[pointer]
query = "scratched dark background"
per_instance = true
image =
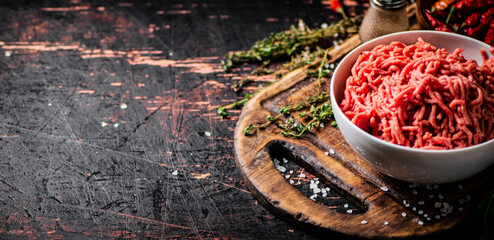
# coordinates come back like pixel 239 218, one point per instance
pixel 108 124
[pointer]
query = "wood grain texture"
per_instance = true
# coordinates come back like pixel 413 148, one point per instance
pixel 392 209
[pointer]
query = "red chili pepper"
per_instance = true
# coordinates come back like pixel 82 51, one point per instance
pixel 337 7
pixel 473 19
pixel 485 19
pixel 435 23
pixel 470 5
pixel 441 5
pixel 489 36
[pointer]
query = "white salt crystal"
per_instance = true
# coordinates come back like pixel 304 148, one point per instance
pixel 281 168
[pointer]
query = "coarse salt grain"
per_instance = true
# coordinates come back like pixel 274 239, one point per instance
pixel 302 175
pixel 386 223
pixel 384 189
pixel 175 173
pixel 349 211
pixel 363 222
pixel 281 168
pixel 331 151
pixel 403 214
pixel 420 223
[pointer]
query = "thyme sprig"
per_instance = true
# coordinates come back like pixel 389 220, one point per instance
pixel 298 47
pixel 223 110
pixel 284 45
pixel 319 111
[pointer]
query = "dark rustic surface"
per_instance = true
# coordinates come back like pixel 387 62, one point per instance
pixel 108 124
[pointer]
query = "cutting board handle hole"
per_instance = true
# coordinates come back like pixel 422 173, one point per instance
pixel 292 166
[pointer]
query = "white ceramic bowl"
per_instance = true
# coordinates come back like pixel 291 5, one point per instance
pixel 404 163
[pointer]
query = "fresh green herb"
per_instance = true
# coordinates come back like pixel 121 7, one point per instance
pixel 301 46
pixel 284 45
pixel 223 110
pixel 248 129
pixel 319 112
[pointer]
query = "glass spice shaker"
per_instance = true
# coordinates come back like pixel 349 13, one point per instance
pixel 384 17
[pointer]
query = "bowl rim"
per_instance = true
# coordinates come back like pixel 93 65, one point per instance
pixel 336 104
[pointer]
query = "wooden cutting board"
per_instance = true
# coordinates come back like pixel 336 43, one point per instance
pixel 390 208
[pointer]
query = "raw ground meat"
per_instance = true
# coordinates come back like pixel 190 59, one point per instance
pixel 421 96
